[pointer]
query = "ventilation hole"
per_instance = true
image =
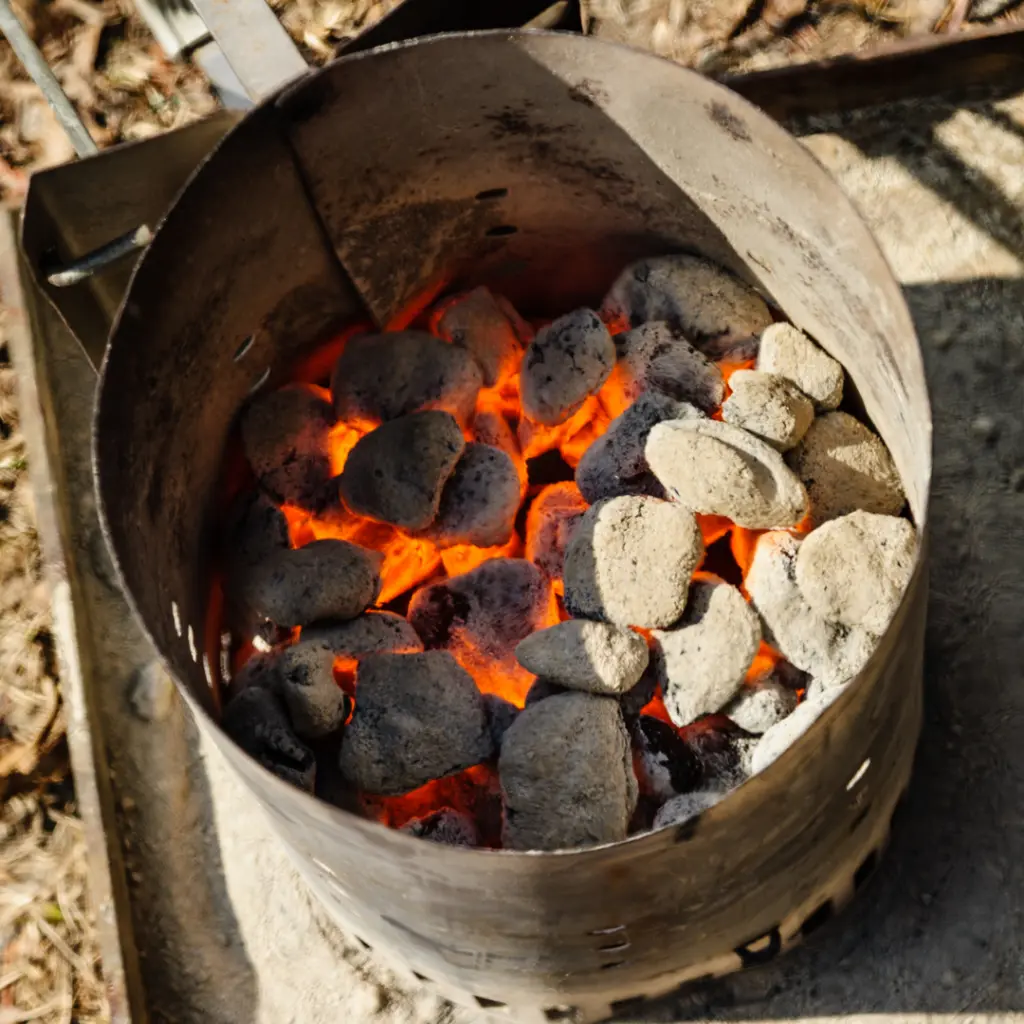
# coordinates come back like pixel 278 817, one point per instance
pixel 560 1013
pixel 242 349
pixel 420 977
pixel 634 1004
pixel 261 381
pixel 492 193
pixel 858 774
pixel 207 671
pixel 817 919
pixel 501 230
pixel 612 964
pixel 485 1003
pixel 866 869
pixel 859 820
pixel 192 645
pixel 608 931
pixel 363 943
pixel 617 947
pixel 176 616
pixel 760 950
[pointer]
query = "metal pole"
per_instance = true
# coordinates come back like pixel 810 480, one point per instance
pixel 29 55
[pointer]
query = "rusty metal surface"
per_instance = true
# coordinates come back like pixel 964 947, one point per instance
pixel 604 151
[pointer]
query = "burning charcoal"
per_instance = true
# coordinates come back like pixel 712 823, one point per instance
pixel 500 716
pixel 665 764
pixel 686 806
pixel 491 427
pixel 381 377
pixel 698 297
pixel 826 649
pixel 326 579
pixel 257 722
pixel 846 467
pixel 452 828
pixel 788 352
pixel 258 670
pixel 552 519
pixel 722 749
pixel 480 501
pixel 634 700
pixel 779 738
pixel 768 406
pixel 630 562
pixel 760 705
pixel 702 660
pixel 567 774
pixel 418 717
pixel 717 469
pixel 372 633
pixel 615 464
pixel 541 690
pixel 285 436
pixel 305 679
pixel 656 357
pixel 855 569
pixel 489 329
pixel 396 473
pixel 567 361
pixel 257 530
pixel 581 655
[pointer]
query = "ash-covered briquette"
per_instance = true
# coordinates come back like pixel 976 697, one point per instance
pixel 616 464
pixel 380 377
pixel 487 327
pixel 491 427
pixel 541 689
pixel 490 609
pixel 717 469
pixel 687 806
pixel 480 501
pixel 780 737
pixel 285 436
pixel 665 764
pixel 446 826
pixel 501 714
pixel 761 704
pixel 595 657
pixel 855 569
pixel 418 717
pixel 553 517
pixel 567 361
pixel 257 721
pixel 769 407
pixel 397 472
pixel 630 562
pixel 305 679
pixel 567 774
pixel 846 468
pixel 657 357
pixel 701 661
pixel 694 295
pixel 826 649
pixel 371 633
pixel 258 670
pixel 788 352
pixel 326 579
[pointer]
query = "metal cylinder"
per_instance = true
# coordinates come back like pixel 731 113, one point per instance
pixel 539 164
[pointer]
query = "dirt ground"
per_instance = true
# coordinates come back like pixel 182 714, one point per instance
pixel 126 89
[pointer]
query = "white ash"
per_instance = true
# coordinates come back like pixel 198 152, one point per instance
pixel 828 650
pixel 657 357
pixel 371 633
pixel 567 361
pixel 501 714
pixel 616 464
pixel 304 677
pixel 541 690
pixel 480 501
pixel 702 660
pixel 380 377
pixel 567 775
pixel 447 826
pixel 418 717
pixel 665 764
pixel 854 569
pixel 396 473
pixel 846 467
pixel 553 517
pixel 595 657
pixel 717 469
pixel 257 721
pixel 760 705
pixel 687 806
pixel 702 299
pixel 326 579
pixel 285 437
pixel 630 562
pixel 487 327
pixel 779 738
pixel 489 609
pixel 768 406
pixel 788 352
